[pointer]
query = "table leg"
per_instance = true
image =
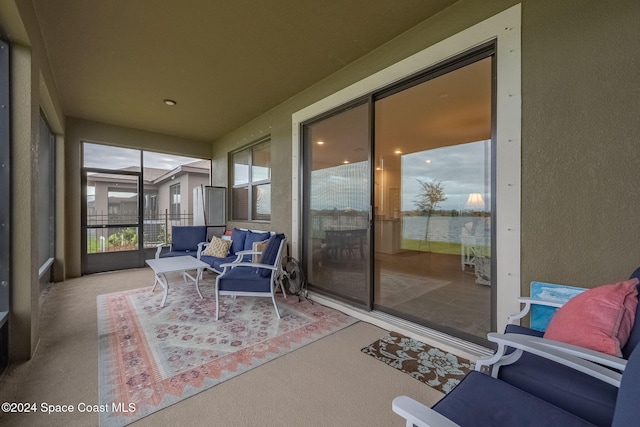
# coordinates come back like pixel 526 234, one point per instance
pixel 198 276
pixel 165 284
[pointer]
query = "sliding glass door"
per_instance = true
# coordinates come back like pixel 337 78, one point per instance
pixel 433 229
pixel 337 204
pixel 412 171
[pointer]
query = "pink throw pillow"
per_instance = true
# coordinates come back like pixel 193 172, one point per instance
pixel 599 319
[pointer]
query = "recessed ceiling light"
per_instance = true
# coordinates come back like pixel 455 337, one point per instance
pixel 320 142
pixel 346 162
pixel 428 161
pixel 398 152
pixel 169 102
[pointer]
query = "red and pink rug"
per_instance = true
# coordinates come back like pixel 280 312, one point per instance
pixel 152 357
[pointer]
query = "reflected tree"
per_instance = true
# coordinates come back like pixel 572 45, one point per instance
pixel 430 196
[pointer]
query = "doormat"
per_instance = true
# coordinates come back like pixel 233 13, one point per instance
pixel 430 365
pixel 152 357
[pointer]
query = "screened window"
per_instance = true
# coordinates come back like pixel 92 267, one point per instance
pixel 174 200
pixel 251 177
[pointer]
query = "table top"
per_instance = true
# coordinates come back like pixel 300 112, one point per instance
pixel 173 264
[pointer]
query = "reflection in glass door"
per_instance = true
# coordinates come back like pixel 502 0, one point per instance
pixel 336 201
pixel 433 201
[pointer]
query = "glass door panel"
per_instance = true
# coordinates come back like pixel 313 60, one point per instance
pixel 337 205
pixel 112 221
pixel 433 202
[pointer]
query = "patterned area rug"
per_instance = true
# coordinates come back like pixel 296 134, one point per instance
pixel 152 357
pixel 430 365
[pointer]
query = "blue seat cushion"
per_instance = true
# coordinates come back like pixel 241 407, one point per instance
pixel 270 253
pixel 244 279
pixel 186 238
pixel 215 262
pixel 480 401
pixel 522 330
pixel 573 391
pixel 627 403
pixel 237 240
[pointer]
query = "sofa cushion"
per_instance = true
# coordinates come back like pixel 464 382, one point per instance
pixel 270 253
pixel 216 262
pixel 237 237
pixel 253 237
pixel 562 386
pixel 186 238
pixel 480 400
pixel 244 279
pixel 599 319
pixel 218 247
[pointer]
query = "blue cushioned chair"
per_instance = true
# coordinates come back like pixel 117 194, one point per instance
pixel 185 240
pixel 481 400
pixel 241 248
pixel 554 382
pixel 253 279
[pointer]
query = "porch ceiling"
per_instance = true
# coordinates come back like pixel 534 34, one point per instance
pixel 223 62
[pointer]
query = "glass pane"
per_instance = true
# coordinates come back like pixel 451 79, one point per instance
pixel 262 202
pixel 240 203
pixel 112 239
pixel 169 183
pixel 106 157
pixel 432 201
pixel 337 204
pixel 261 162
pixel 241 168
pixel 112 199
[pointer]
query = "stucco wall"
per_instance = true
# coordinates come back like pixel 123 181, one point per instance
pixel 579 132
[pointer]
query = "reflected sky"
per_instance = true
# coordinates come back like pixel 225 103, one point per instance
pixel 461 170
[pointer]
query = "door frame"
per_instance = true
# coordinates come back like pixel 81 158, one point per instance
pixel 95 263
pixel 505 28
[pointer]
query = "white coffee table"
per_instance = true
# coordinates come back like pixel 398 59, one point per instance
pixel 178 264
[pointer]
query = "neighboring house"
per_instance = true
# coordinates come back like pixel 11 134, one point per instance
pixel 168 196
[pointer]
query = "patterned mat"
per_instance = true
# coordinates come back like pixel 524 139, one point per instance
pixel 430 365
pixel 152 357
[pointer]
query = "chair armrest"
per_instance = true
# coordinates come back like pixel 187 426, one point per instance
pixel 248 264
pixel 528 302
pixel 598 365
pixel 159 248
pixel 418 414
pixel 201 247
pixel 248 252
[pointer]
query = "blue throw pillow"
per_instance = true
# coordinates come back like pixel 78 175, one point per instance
pixel 253 237
pixel 237 238
pixel 270 253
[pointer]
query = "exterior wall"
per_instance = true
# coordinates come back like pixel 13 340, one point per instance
pixel 579 133
pixel 32 89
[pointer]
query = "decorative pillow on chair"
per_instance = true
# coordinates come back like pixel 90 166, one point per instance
pixel 259 246
pixel 218 247
pixel 599 319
